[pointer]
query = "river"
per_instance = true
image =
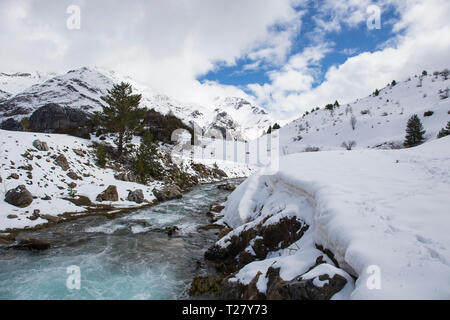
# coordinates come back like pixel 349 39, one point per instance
pixel 122 258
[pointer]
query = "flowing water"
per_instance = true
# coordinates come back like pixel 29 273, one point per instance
pixel 127 257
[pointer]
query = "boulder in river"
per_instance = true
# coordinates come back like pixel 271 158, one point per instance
pixel 32 244
pixel 110 194
pixel 19 197
pixel 168 192
pixel 227 187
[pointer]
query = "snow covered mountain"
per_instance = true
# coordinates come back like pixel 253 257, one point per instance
pixel 22 94
pixel 379 120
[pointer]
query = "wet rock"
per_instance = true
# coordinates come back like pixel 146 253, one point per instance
pixel 19 197
pixel 136 196
pixel 40 145
pixel 171 230
pixel 12 216
pixel 216 208
pixel 61 161
pixel 227 187
pixel 7 238
pixel 51 218
pixel 168 192
pixel 110 194
pixel 32 244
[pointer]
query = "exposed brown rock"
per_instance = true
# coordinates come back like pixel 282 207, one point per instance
pixel 19 197
pixel 61 161
pixel 110 194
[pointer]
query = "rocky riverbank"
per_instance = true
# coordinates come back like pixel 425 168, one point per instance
pixel 49 178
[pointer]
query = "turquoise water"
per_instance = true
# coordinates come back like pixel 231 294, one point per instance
pixel 123 258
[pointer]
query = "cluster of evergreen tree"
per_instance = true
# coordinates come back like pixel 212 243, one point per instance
pixel 332 106
pixel 123 117
pixel 148 163
pixel 276 126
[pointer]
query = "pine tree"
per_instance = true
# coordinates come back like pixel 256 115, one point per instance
pixel 414 132
pixel 445 131
pixel 276 126
pixel 122 114
pixel 147 160
pixel 269 131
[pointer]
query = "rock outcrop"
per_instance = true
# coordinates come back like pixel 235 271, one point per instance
pixel 32 244
pixel 263 239
pixel 53 117
pixel 320 287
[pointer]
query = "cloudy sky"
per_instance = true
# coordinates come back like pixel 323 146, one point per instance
pixel 286 55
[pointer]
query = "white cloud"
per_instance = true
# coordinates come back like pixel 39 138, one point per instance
pixel 168 44
pixel 423 44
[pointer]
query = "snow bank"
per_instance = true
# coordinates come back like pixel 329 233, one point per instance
pixel 370 208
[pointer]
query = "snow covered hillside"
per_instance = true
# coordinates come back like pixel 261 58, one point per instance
pixel 379 121
pixel 357 212
pixel 66 169
pixel 21 94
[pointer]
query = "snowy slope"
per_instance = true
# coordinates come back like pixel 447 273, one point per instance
pixel 382 208
pixel 46 178
pixel 83 88
pixel 14 83
pixel 379 119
